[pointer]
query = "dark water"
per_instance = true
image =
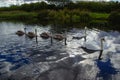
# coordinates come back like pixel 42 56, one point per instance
pixel 22 59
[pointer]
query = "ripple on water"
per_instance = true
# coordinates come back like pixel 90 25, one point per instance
pixel 22 58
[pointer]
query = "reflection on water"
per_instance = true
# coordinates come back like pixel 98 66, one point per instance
pixel 106 69
pixel 22 59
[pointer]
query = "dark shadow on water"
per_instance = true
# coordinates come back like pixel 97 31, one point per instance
pixel 16 63
pixel 89 50
pixel 20 64
pixel 106 69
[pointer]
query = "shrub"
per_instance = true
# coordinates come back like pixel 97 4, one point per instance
pixel 114 18
pixel 43 15
pixel 85 17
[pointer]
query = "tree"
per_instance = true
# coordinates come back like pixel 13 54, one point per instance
pixel 114 18
pixel 59 2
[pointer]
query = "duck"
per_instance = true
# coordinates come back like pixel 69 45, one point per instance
pixel 45 35
pixel 58 37
pixel 20 33
pixel 31 35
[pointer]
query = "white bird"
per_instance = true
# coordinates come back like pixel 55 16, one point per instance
pixel 88 50
pixel 93 47
pixel 80 36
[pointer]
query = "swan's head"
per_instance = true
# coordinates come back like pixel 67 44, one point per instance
pixel 25 28
pixel 85 27
pixel 103 39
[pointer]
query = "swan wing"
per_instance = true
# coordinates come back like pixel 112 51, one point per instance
pixel 92 45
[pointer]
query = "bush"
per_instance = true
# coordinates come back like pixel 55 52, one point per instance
pixel 114 18
pixel 98 23
pixel 43 15
pixel 17 15
pixel 85 17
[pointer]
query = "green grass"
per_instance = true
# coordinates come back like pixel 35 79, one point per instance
pixel 55 15
pixel 17 15
pixel 99 16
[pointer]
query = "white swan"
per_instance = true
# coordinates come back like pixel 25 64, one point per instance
pixel 88 50
pixel 93 46
pixel 80 36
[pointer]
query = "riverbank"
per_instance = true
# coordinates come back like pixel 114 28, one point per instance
pixel 61 16
pixel 84 13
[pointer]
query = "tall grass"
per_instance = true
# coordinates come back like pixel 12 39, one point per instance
pixel 99 16
pixel 63 16
pixel 17 15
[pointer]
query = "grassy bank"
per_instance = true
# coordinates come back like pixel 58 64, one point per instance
pixel 84 13
pixel 100 16
pixel 84 18
pixel 17 15
pixel 74 16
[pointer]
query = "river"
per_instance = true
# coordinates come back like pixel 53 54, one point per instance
pixel 22 58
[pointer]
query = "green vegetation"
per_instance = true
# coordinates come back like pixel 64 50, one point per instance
pixel 100 16
pixel 87 13
pixel 17 15
pixel 114 18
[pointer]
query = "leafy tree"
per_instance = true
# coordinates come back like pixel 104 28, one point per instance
pixel 59 2
pixel 114 18
pixel 43 15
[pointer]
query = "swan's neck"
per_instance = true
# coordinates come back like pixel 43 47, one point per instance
pixel 65 33
pixel 25 30
pixel 36 31
pixel 85 32
pixel 101 44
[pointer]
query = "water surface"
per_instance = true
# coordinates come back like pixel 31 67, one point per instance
pixel 22 59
